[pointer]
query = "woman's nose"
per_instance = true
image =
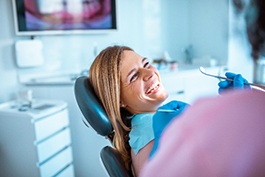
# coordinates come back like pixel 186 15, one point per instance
pixel 147 74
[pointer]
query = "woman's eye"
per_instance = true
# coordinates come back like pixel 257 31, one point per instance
pixel 133 78
pixel 146 65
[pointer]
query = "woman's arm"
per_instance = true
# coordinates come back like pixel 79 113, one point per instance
pixel 139 159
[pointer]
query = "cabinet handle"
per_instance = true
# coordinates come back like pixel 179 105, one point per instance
pixel 180 92
pixel 84 121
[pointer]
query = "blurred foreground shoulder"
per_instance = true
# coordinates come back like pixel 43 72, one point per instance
pixel 220 136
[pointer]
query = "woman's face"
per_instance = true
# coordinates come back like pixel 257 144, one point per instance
pixel 141 87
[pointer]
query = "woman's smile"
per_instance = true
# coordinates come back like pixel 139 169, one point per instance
pixel 153 88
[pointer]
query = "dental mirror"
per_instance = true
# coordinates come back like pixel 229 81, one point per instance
pixel 203 71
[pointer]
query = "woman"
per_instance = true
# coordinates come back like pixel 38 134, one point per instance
pixel 130 90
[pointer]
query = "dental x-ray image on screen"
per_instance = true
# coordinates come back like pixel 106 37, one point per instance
pixel 38 17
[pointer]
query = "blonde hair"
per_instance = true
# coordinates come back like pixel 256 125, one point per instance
pixel 104 75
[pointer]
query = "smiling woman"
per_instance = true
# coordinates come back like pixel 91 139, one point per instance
pixel 141 89
pixel 131 91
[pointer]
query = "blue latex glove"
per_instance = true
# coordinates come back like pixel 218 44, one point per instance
pixel 238 82
pixel 162 118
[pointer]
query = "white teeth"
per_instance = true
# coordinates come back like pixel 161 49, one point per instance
pixel 153 87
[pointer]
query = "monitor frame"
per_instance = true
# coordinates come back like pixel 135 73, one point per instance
pixel 19 32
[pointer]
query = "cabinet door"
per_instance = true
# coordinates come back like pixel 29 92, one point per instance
pixel 53 145
pixel 198 85
pixel 51 124
pixel 57 164
pixel 67 172
pixel 174 84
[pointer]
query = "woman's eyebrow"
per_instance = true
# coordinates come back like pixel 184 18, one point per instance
pixel 130 72
pixel 143 60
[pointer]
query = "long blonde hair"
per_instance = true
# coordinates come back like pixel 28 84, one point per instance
pixel 104 75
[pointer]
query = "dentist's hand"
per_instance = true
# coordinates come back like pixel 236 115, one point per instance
pixel 163 117
pixel 238 82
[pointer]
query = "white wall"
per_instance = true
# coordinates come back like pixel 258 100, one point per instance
pixel 180 23
pixel 202 24
pixel 76 52
pixel 175 17
pixel 8 77
pixel 208 27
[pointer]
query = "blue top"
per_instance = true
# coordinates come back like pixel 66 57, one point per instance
pixel 142 131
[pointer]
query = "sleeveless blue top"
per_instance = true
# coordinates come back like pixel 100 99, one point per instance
pixel 142 131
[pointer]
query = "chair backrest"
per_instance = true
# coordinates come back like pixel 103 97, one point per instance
pixel 97 118
pixel 112 161
pixel 91 107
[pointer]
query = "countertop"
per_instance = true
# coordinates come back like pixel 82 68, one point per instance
pixel 68 78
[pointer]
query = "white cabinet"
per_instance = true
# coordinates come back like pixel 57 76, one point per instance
pixel 198 85
pixel 190 85
pixel 174 84
pixel 36 141
pixel 86 143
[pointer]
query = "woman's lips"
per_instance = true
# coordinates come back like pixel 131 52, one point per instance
pixel 153 88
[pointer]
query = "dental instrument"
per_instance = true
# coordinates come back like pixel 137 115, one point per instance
pixel 203 71
pixel 166 110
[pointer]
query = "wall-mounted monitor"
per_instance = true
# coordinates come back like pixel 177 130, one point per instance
pixel 51 17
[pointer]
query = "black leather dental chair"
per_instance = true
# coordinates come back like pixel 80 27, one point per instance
pixel 97 118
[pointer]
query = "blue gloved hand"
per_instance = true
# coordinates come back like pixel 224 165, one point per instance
pixel 162 118
pixel 238 82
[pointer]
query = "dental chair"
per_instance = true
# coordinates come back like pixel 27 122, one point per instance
pixel 97 118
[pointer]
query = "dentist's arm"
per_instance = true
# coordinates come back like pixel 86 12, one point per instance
pixel 237 83
pixel 163 117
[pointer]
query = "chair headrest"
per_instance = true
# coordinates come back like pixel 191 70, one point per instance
pixel 91 107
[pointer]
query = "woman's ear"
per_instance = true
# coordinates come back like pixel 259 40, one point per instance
pixel 122 105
